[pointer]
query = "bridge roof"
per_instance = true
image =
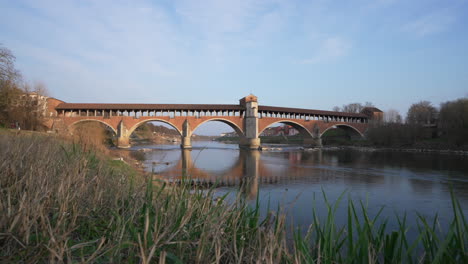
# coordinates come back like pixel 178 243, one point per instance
pixel 200 107
pixel 145 107
pixel 308 111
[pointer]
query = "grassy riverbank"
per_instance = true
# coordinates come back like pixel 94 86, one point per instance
pixel 60 202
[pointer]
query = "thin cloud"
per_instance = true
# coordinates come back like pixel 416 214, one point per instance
pixel 330 49
pixel 223 29
pixel 430 24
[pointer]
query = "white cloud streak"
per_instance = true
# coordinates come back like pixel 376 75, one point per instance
pixel 429 24
pixel 330 49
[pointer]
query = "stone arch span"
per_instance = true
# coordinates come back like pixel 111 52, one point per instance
pixel 233 125
pixel 346 127
pixel 135 126
pixel 302 130
pixel 94 120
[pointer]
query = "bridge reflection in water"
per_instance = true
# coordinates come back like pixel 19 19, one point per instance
pixel 247 171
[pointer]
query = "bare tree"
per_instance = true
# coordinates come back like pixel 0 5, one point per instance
pixel 421 113
pixel 30 109
pixel 355 107
pixel 40 88
pixel 336 109
pixel 7 65
pixel 352 108
pixel 392 116
pixel 10 92
pixel 19 102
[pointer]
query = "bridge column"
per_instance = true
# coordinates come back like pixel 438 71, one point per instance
pixel 314 141
pixel 186 141
pixel 123 137
pixel 251 140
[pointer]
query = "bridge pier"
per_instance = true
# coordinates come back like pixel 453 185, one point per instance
pixel 123 142
pixel 123 138
pixel 249 143
pixel 186 140
pixel 313 142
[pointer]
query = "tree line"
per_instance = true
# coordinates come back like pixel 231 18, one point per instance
pixel 424 125
pixel 21 104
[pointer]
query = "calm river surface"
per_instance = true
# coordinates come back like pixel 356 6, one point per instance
pixel 294 179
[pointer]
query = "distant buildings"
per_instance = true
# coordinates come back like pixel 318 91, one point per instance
pixel 230 134
pixel 285 130
pixel 40 105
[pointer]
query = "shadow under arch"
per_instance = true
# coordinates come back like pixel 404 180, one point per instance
pixel 350 130
pixel 132 129
pixel 237 129
pixel 302 130
pixel 93 120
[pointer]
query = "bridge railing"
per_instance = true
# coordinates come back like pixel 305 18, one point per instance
pixel 149 113
pixel 312 117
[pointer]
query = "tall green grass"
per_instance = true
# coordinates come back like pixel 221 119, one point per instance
pixel 60 203
pixel 368 240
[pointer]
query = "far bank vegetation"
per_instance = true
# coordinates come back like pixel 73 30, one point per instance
pixel 425 126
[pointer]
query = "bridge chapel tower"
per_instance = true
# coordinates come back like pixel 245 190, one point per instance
pixel 251 140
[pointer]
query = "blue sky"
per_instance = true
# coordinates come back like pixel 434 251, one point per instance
pixel 307 54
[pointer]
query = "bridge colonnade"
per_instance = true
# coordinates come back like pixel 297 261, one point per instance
pixel 248 119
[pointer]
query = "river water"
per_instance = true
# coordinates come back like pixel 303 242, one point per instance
pixel 293 179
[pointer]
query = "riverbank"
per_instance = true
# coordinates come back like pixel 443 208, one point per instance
pixel 294 140
pixel 277 143
pixel 280 147
pixel 145 138
pixel 61 202
pixel 401 149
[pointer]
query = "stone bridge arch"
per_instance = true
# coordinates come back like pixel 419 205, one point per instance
pixel 238 129
pixel 305 132
pixel 352 131
pixel 147 120
pixel 73 124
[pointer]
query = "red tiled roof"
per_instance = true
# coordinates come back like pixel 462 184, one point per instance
pixel 307 111
pixel 144 107
pixel 200 107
